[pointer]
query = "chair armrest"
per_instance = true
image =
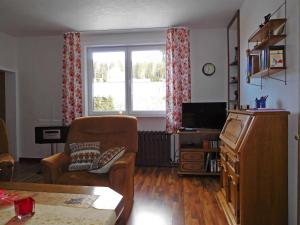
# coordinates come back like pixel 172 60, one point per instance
pixel 122 171
pixel 6 167
pixel 6 159
pixel 54 166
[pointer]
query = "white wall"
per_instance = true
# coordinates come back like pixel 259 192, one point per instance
pixel 209 45
pixel 40 70
pixel 280 95
pixel 39 66
pixel 8 53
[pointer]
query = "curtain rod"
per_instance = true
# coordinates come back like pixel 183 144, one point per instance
pixel 116 31
pixel 123 30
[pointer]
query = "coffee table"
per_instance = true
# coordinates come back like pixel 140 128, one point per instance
pixel 106 199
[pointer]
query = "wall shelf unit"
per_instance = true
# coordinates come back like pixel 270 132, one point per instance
pixel 233 66
pixel 265 58
pixel 264 32
pixel 235 63
pixel 268 72
pixel 272 40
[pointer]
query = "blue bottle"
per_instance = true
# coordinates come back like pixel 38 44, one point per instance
pixel 257 103
pixel 263 102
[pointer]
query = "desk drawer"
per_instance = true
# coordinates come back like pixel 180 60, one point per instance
pixel 233 162
pixel 192 167
pixel 192 156
pixel 233 194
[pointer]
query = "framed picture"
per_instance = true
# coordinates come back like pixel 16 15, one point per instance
pixel 277 56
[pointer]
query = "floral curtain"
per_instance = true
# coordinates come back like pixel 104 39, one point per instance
pixel 178 76
pixel 71 83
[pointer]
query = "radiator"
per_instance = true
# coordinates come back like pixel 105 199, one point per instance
pixel 154 148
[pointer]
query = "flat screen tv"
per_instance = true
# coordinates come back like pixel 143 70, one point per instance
pixel 209 115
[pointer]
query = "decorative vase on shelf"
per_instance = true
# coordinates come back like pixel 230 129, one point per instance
pixel 236 94
pixel 267 18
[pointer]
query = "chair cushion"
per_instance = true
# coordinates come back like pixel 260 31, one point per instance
pixel 83 154
pixel 106 160
pixel 83 178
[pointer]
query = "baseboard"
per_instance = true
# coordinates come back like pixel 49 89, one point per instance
pixel 29 160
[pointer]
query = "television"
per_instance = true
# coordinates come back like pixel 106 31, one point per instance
pixel 209 115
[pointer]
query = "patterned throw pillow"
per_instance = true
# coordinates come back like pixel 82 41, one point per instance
pixel 103 164
pixel 83 154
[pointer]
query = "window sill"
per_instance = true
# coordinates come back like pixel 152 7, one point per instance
pixel 138 115
pixel 147 116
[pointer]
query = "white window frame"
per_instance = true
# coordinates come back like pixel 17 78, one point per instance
pixel 128 80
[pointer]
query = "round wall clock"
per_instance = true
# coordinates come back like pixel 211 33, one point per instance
pixel 208 69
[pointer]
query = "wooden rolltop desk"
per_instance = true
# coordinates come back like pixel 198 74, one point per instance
pixel 254 168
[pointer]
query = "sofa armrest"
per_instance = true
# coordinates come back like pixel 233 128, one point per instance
pixel 122 171
pixel 121 178
pixel 54 166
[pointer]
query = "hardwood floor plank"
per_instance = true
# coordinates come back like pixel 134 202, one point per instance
pixel 161 196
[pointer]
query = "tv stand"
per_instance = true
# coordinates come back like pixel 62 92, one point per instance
pixel 187 129
pixel 199 152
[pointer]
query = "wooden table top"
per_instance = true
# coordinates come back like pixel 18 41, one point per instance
pixel 108 198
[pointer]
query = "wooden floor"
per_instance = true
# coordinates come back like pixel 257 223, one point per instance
pixel 161 196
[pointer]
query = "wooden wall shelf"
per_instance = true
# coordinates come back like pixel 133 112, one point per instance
pixel 263 32
pixel 272 40
pixel 267 72
pixel 259 55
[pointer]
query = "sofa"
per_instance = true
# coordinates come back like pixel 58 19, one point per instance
pixel 110 131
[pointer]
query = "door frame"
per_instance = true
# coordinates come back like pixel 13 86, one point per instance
pixel 11 111
pixel 298 176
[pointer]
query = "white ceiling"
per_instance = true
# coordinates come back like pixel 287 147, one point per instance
pixel 51 17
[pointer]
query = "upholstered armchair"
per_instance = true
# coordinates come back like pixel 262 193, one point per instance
pixel 6 160
pixel 110 131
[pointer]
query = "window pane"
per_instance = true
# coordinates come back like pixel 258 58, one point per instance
pixel 108 81
pixel 148 80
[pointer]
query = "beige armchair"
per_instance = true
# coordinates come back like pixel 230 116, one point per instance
pixel 111 131
pixel 6 160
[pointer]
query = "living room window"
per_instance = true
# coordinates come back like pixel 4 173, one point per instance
pixel 127 80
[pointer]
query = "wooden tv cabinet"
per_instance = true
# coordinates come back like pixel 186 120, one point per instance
pixel 254 169
pixel 199 152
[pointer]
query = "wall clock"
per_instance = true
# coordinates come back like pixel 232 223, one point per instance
pixel 208 69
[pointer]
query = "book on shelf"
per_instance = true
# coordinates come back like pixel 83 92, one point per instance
pixel 210 144
pixel 257 61
pixel 218 165
pixel 255 64
pixel 264 59
pixel 277 56
pixel 212 162
pixel 207 161
pixel 213 166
